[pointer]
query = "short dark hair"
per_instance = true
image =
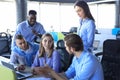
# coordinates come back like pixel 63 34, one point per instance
pixel 74 40
pixel 19 36
pixel 33 12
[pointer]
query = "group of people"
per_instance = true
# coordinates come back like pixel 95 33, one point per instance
pixel 45 60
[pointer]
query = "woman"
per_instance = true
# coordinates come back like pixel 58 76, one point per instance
pixel 86 30
pixel 85 66
pixel 46 55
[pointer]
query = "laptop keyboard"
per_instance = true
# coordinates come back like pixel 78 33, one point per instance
pixel 19 75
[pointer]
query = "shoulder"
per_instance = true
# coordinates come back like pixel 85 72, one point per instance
pixel 38 23
pixel 22 23
pixel 89 57
pixel 55 52
pixel 90 22
pixel 15 49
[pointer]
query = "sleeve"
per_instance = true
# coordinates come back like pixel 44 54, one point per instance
pixel 36 48
pixel 56 61
pixel 41 29
pixel 13 58
pixel 36 60
pixel 91 33
pixel 13 39
pixel 16 59
pixel 70 73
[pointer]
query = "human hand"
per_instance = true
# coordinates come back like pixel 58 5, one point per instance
pixel 40 71
pixel 34 32
pixel 47 69
pixel 20 68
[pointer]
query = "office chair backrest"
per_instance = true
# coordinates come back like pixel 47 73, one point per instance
pixel 66 59
pixel 111 59
pixel 7 74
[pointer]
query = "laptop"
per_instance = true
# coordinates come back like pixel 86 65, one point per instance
pixel 19 74
pixel 96 44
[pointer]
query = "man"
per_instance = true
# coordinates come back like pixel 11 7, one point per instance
pixel 29 29
pixel 23 53
pixel 85 65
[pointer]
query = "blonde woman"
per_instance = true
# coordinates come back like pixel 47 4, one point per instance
pixel 46 55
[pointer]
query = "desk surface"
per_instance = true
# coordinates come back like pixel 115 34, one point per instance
pixel 4 59
pixel 97 51
pixel 28 69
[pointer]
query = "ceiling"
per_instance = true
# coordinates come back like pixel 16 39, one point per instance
pixel 61 1
pixel 68 1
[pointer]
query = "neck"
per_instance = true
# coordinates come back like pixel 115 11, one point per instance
pixel 47 51
pixel 77 53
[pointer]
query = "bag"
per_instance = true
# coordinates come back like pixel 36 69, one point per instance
pixel 5 41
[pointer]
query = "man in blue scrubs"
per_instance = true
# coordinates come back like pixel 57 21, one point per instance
pixel 23 53
pixel 29 29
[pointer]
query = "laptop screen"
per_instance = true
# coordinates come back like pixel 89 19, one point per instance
pixel 96 44
pixel 8 65
pixel 22 74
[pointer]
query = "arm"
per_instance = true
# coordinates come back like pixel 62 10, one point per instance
pixel 56 61
pixel 87 69
pixel 39 30
pixel 53 74
pixel 17 62
pixel 36 60
pixel 58 76
pixel 91 33
pixel 36 33
pixel 13 58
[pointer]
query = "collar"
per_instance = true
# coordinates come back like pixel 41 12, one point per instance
pixel 80 57
pixel 29 25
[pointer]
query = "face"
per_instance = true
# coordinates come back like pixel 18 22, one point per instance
pixel 68 49
pixel 32 19
pixel 80 12
pixel 47 42
pixel 21 43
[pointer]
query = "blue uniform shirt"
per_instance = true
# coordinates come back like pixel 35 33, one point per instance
pixel 86 67
pixel 20 56
pixel 26 31
pixel 53 61
pixel 87 32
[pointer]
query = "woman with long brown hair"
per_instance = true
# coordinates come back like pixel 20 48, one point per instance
pixel 46 55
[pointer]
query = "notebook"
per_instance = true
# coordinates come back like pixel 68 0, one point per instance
pixel 96 44
pixel 20 75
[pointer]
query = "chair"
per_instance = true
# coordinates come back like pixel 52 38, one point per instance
pixel 73 30
pixel 60 35
pixel 66 59
pixel 7 74
pixel 111 59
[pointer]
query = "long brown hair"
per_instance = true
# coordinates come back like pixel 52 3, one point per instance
pixel 85 7
pixel 42 50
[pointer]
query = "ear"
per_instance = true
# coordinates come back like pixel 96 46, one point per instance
pixel 72 49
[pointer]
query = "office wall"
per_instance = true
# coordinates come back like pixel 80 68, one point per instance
pixel 57 16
